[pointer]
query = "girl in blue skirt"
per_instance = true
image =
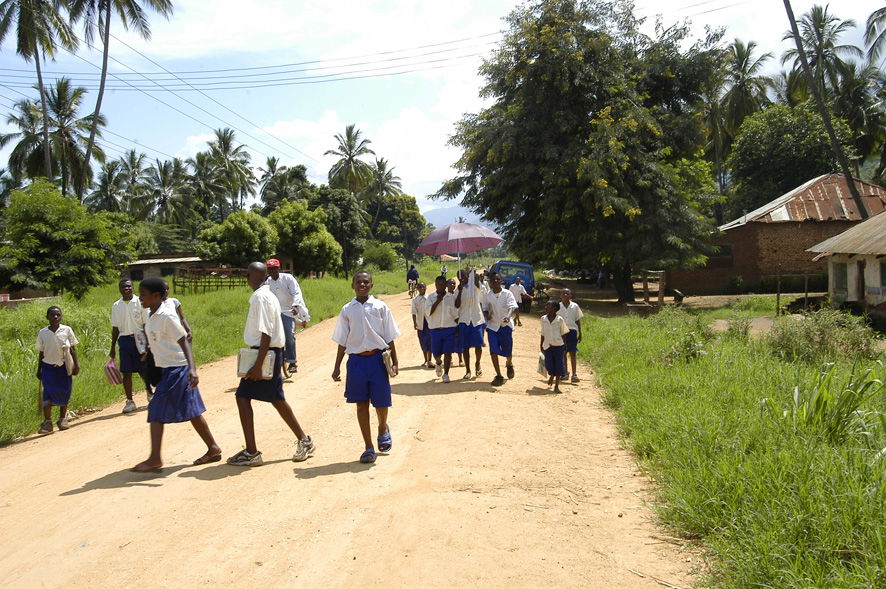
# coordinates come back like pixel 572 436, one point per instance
pixel 553 328
pixel 57 364
pixel 176 398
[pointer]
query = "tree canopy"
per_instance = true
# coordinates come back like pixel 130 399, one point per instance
pixel 304 238
pixel 241 239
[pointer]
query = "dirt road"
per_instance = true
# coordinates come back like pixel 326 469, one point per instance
pixel 509 487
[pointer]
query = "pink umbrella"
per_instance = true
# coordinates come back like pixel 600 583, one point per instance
pixel 458 238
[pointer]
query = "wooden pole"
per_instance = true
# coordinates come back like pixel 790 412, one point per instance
pixel 661 289
pixel 805 291
pixel 778 294
pixel 645 287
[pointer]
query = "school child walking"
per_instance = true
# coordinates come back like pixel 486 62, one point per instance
pixel 264 332
pixel 365 329
pixel 471 321
pixel 421 325
pixel 128 332
pixel 571 314
pixel 442 318
pixel 459 348
pixel 519 291
pixel 500 309
pixel 176 397
pixel 56 364
pixel 553 328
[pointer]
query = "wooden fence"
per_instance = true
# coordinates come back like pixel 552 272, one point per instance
pixel 195 280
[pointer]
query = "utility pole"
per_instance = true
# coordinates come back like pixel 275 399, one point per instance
pixel 826 117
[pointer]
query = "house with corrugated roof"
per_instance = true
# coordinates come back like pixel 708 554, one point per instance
pixel 856 262
pixel 748 253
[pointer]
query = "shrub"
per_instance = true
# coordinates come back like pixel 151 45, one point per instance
pixel 380 255
pixel 822 335
pixel 736 285
pixel 688 334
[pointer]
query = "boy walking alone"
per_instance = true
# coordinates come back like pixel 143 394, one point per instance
pixel 365 329
pixel 128 331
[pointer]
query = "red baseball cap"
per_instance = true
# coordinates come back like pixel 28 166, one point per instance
pixel 273 263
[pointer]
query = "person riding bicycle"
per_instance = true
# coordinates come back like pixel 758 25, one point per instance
pixel 411 274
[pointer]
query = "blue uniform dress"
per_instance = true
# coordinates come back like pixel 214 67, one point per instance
pixel 55 345
pixel 175 400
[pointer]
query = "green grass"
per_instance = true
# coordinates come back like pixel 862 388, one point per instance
pixel 775 504
pixel 216 319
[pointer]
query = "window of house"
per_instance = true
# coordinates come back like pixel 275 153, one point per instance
pixel 841 277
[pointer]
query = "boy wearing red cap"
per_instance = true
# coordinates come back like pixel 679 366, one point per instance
pixel 285 287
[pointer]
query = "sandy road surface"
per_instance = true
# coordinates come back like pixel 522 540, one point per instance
pixel 508 487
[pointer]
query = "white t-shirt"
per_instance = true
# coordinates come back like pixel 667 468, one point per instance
pixel 418 310
pixel 264 317
pixel 571 315
pixel 518 290
pixel 445 315
pixel 54 343
pixel 164 330
pixel 287 291
pixel 471 310
pixel 553 331
pixel 500 306
pixel 128 316
pixel 363 327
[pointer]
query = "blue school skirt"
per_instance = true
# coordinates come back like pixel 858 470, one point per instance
pixel 57 384
pixel 130 359
pixel 555 360
pixel 470 336
pixel 367 380
pixel 174 400
pixel 265 390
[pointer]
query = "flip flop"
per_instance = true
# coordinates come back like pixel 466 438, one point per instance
pixel 384 441
pixel 145 469
pixel 206 459
pixel 368 457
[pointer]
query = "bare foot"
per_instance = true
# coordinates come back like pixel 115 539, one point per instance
pixel 147 466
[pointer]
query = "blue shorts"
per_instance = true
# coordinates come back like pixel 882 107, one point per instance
pixel 367 380
pixel 470 336
pixel 571 340
pixel 555 360
pixel 129 358
pixel 443 341
pixel 501 342
pixel 265 390
pixel 424 339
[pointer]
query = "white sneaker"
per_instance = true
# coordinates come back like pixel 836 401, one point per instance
pixel 445 378
pixel 130 406
pixel 439 370
pixel 305 448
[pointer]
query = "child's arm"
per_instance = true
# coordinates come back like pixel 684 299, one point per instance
pixel 263 347
pixel 115 333
pixel 336 372
pixel 415 321
pixel 393 357
pixel 181 317
pixel 192 369
pixel 578 323
pixel 541 345
pixel 76 370
pixel 461 287
pixel 39 364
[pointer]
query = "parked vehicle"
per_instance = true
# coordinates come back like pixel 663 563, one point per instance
pixel 508 270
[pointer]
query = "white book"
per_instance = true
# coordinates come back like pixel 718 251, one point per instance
pixel 246 358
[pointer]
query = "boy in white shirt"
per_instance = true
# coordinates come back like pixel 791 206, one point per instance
pixel 500 309
pixel 264 332
pixel 471 322
pixel 518 290
pixel 571 314
pixel 442 319
pixel 421 325
pixel 552 330
pixel 127 328
pixel 285 287
pixel 365 329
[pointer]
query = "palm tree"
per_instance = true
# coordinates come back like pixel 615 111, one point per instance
pixel 132 169
pixel 96 15
pixel 233 163
pixel 167 193
pixel 279 183
pixel 820 34
pixel 858 103
pixel 382 185
pixel 207 187
pixel 350 172
pixel 791 87
pixel 40 29
pixel 110 189
pixel 747 86
pixel 875 33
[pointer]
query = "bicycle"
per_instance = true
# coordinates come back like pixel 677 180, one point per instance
pixel 413 284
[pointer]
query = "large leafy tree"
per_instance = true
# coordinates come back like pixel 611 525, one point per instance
pixel 53 242
pixel 96 15
pixel 345 220
pixel 242 238
pixel 40 28
pixel 304 238
pixel 350 172
pixel 570 158
pixel 401 224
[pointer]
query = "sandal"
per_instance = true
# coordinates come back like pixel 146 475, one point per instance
pixel 144 467
pixel 206 458
pixel 384 441
pixel 510 370
pixel 368 457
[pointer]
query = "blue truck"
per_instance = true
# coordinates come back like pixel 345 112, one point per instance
pixel 508 270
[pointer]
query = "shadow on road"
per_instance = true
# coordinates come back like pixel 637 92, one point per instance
pixel 332 469
pixel 224 470
pixel 126 478
pixel 435 387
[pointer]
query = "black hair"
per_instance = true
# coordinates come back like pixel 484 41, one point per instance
pixel 491 274
pixel 441 277
pixel 359 272
pixel 122 280
pixel 554 303
pixel 421 284
pixel 49 310
pixel 154 285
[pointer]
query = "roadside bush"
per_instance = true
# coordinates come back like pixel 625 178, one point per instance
pixel 822 335
pixel 688 335
pixel 738 328
pixel 754 303
pixel 380 255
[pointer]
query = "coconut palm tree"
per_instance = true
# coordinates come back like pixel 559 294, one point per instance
pixel 167 195
pixel 279 183
pixel 110 189
pixel 747 86
pixel 40 29
pixel 350 172
pixel 233 162
pixel 132 169
pixel 791 87
pixel 820 33
pixel 207 187
pixel 875 33
pixel 382 185
pixel 858 103
pixel 96 16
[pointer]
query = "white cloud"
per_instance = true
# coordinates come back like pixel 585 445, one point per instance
pixel 193 144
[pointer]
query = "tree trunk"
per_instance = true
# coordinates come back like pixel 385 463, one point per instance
pixel 624 285
pixel 47 149
pixel 81 188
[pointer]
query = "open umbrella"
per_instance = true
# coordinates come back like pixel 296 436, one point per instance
pixel 458 238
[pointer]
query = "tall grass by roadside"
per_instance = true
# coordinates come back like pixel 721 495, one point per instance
pixel 776 504
pixel 216 319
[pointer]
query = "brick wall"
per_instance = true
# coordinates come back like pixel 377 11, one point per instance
pixel 715 276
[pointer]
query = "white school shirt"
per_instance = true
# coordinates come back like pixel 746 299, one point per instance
pixel 553 331
pixel 418 309
pixel 518 290
pixel 128 316
pixel 499 306
pixel 287 291
pixel 164 330
pixel 264 318
pixel 53 344
pixel 445 315
pixel 363 327
pixel 571 315
pixel 471 310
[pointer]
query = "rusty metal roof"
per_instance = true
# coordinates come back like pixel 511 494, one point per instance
pixel 868 238
pixel 825 198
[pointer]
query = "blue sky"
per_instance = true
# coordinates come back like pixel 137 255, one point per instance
pixel 408 117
